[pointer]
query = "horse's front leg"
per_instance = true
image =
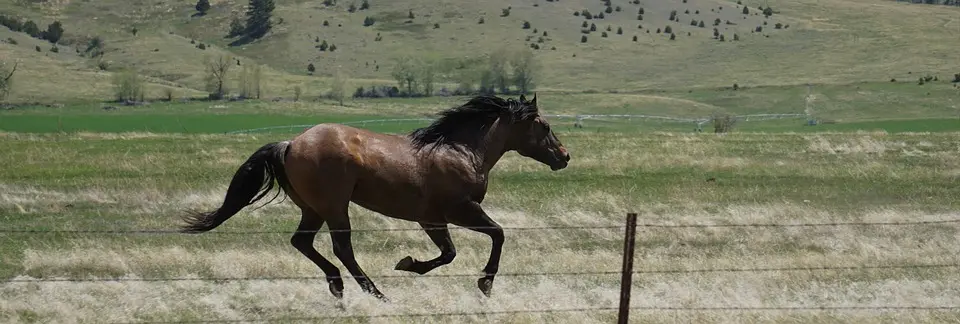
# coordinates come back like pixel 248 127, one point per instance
pixel 441 237
pixel 470 215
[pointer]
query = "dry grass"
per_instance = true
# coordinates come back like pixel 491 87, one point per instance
pixel 660 176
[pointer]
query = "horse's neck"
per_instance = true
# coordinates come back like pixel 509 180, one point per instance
pixel 493 147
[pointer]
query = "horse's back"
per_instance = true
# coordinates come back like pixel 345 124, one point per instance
pixel 378 171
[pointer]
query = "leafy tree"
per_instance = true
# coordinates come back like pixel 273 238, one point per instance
pixel 525 70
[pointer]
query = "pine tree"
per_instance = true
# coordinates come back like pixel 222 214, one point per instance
pixel 258 17
pixel 202 6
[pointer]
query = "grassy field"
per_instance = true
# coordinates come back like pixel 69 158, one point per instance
pixel 143 180
pixel 885 151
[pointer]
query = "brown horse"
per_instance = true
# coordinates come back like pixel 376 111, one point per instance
pixel 435 176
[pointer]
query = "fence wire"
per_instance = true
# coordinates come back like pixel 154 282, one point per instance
pixel 521 274
pixel 533 228
pixel 584 310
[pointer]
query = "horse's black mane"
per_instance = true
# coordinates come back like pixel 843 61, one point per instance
pixel 467 123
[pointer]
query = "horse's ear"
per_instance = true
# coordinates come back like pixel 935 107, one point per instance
pixel 534 101
pixel 523 99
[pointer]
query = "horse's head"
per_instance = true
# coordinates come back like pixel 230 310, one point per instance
pixel 533 138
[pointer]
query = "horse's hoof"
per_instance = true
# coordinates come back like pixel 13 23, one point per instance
pixel 336 288
pixel 406 264
pixel 485 284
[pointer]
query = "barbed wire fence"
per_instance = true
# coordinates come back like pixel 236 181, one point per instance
pixel 626 272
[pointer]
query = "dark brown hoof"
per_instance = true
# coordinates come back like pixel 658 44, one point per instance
pixel 485 284
pixel 336 288
pixel 406 264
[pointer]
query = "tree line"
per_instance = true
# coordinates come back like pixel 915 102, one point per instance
pixel 504 71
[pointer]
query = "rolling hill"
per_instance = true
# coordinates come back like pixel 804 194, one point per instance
pixel 823 42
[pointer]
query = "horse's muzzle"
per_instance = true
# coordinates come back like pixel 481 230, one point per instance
pixel 560 160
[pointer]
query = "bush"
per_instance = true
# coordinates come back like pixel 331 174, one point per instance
pixel 604 34
pixel 368 21
pixel 128 86
pixel 668 30
pixel 311 68
pixel 619 30
pixel 583 38
pixel 723 123
pixel 634 38
pixel 526 25
pixel 673 36
pixel 956 78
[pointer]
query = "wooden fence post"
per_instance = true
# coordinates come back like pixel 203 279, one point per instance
pixel 626 278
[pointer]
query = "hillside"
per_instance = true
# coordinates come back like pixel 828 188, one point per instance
pixel 819 42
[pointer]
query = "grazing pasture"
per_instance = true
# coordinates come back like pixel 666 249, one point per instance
pixel 136 181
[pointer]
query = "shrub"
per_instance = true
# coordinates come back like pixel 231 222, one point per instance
pixel 639 17
pixel 584 25
pixel 673 36
pixel 311 68
pixel 668 30
pixel 700 24
pixel 583 38
pixel 723 123
pixel 368 21
pixel 634 38
pixel 364 5
pixel 526 25
pixel 600 16
pixel 604 34
pixel 619 30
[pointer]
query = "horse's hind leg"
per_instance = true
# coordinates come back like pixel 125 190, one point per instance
pixel 440 236
pixel 310 223
pixel 339 225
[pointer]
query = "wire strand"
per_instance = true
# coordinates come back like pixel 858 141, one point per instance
pixel 526 274
pixel 537 228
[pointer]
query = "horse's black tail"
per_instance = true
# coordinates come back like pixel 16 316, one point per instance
pixel 252 182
